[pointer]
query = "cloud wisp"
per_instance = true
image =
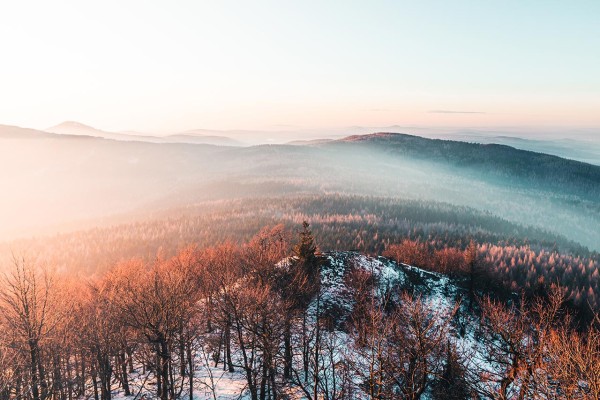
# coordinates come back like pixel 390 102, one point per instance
pixel 455 112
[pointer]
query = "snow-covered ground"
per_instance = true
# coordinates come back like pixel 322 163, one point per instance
pixel 437 290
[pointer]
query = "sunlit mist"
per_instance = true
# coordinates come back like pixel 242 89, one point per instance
pixel 164 67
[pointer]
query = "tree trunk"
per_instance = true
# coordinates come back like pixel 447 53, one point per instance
pixel 18 385
pixel 190 360
pixel 217 354
pixel 228 346
pixel 95 383
pixel 182 362
pixel 105 377
pixel 42 377
pixel 57 381
pixel 272 372
pixel 317 343
pixel 164 369
pixel 130 359
pixel 124 376
pixel 305 352
pixel 33 353
pixel 287 342
pixel 263 381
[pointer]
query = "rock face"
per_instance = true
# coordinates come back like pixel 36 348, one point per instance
pixel 336 298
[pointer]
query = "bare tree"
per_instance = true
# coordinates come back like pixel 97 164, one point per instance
pixel 11 365
pixel 101 325
pixel 258 325
pixel 28 304
pixel 573 363
pixel 156 302
pixel 402 347
pixel 222 271
pixel 516 340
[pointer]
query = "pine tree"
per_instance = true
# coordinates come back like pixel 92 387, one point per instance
pixel 472 265
pixel 306 253
pixel 307 264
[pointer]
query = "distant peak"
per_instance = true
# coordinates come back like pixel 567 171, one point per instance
pixel 376 135
pixel 75 123
pixel 74 128
pixel 72 124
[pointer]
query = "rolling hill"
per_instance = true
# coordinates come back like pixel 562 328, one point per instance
pixel 55 178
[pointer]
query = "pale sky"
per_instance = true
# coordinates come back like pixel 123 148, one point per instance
pixel 161 66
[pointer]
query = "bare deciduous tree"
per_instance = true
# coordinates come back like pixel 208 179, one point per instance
pixel 29 306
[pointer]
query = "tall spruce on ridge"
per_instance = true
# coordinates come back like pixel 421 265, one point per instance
pixel 298 284
pixel 472 269
pixel 306 253
pixel 308 262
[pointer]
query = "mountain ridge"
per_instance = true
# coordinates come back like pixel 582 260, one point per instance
pixel 129 175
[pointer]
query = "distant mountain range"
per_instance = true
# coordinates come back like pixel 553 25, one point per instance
pixel 83 173
pixel 192 137
pixel 578 148
pixel 504 162
pixel 575 149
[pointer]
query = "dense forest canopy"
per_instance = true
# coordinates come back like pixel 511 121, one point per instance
pixel 519 258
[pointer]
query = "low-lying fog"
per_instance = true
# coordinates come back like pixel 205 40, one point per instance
pixel 53 182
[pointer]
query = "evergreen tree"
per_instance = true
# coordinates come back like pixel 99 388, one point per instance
pixel 472 270
pixel 306 253
pixel 307 268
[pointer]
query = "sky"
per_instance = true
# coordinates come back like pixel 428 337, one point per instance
pixel 165 66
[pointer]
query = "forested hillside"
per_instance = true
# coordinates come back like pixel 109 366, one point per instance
pixel 517 258
pixel 70 182
pixel 174 285
pixel 519 167
pixel 275 318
